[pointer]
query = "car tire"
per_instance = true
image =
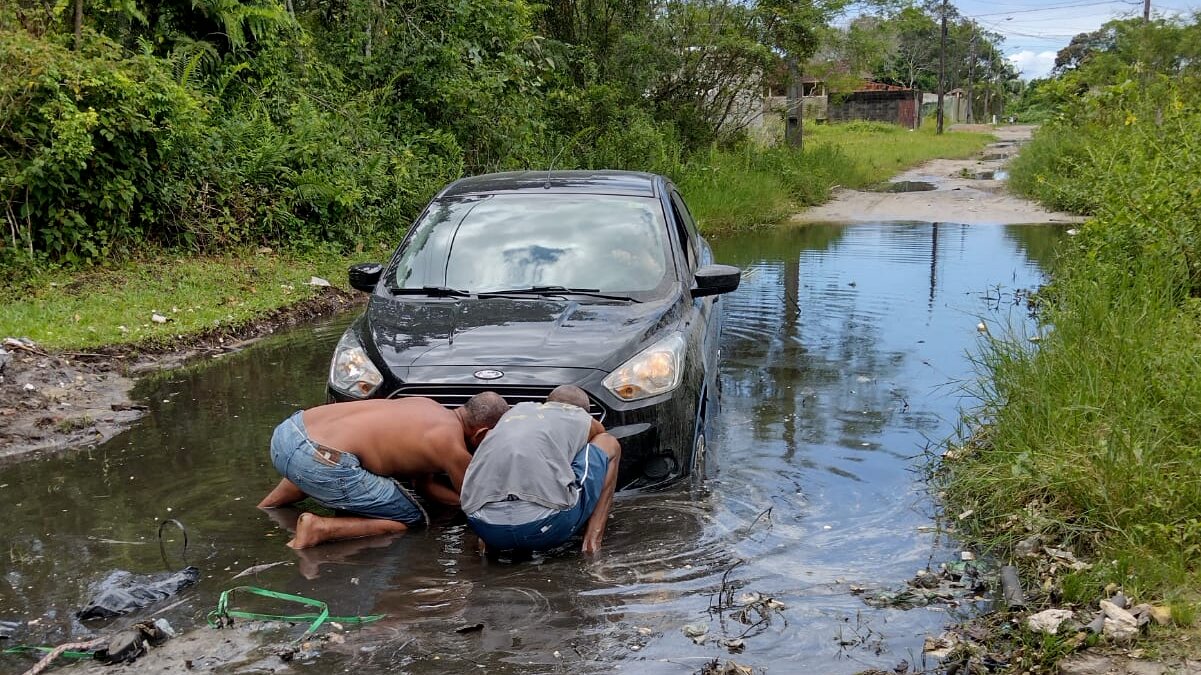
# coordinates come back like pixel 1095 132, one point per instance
pixel 700 457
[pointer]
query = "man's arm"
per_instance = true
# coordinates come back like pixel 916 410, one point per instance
pixel 430 487
pixel 596 429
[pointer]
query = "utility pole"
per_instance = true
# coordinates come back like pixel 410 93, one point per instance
pixel 794 109
pixel 1146 10
pixel 971 75
pixel 942 66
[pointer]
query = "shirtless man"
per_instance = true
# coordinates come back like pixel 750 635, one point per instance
pixel 347 455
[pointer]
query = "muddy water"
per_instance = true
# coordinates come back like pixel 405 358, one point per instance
pixel 843 352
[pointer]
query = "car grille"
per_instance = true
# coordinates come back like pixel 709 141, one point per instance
pixel 455 395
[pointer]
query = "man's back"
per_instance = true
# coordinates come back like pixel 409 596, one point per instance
pixel 393 437
pixel 528 455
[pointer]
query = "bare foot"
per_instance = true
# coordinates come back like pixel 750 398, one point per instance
pixel 310 531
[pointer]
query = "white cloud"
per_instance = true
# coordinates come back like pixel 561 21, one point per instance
pixel 1032 65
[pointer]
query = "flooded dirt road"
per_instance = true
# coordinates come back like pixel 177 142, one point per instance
pixel 843 354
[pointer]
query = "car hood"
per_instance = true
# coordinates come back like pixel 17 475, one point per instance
pixel 498 332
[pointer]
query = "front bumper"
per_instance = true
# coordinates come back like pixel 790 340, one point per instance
pixel 656 434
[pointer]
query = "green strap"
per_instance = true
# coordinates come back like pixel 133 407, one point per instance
pixel 30 649
pixel 224 613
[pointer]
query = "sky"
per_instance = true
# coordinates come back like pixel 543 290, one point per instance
pixel 1034 31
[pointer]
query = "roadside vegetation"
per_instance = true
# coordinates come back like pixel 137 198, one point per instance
pixel 154 141
pixel 1090 439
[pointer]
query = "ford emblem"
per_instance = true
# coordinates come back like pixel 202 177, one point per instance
pixel 488 374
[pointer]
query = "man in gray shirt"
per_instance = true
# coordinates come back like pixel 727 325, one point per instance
pixel 542 474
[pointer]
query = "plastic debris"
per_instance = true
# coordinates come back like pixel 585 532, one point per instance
pixel 318 281
pixel 158 318
pixel 697 632
pixel 1048 621
pixel 121 592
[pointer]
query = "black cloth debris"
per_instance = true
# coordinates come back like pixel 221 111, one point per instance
pixel 122 592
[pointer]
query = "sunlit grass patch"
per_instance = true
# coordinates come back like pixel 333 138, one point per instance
pixel 114 304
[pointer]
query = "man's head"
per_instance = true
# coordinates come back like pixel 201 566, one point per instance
pixel 569 394
pixel 479 414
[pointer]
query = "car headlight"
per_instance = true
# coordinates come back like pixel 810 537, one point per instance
pixel 351 371
pixel 655 370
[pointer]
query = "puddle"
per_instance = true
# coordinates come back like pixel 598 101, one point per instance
pixel 842 353
pixel 904 186
pixel 999 174
pixel 993 156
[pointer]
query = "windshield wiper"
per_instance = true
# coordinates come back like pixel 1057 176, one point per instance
pixel 558 290
pixel 432 291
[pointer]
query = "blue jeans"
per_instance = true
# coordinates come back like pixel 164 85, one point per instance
pixel 589 466
pixel 340 483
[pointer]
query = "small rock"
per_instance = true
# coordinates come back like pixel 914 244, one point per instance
pixel 318 281
pixel 1048 621
pixel 29 387
pixel 1097 624
pixel 1085 664
pixel 981 327
pixel 1120 600
pixel 1142 613
pixel 158 318
pixel 1027 547
pixel 733 645
pixel 1120 625
pixel 697 632
pixel 1161 615
pixel 1146 668
pixel 940 647
pixel 967 556
pixel 5 358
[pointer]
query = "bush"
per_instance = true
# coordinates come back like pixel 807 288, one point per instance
pixel 92 145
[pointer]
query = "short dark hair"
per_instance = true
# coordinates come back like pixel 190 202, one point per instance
pixel 484 410
pixel 569 394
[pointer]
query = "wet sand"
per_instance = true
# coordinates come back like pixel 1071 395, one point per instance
pixel 956 197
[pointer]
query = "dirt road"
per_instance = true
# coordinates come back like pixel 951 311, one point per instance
pixel 968 191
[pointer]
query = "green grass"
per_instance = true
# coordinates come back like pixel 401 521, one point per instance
pixel 87 309
pixel 750 186
pixel 1092 437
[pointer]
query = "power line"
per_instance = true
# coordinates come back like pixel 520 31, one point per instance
pixel 1051 8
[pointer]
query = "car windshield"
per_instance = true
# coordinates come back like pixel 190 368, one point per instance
pixel 479 244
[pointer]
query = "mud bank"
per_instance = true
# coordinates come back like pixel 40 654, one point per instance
pixel 54 400
pixel 966 191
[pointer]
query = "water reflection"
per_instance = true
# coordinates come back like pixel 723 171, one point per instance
pixel 841 357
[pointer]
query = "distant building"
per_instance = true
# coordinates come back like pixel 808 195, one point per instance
pixel 877 102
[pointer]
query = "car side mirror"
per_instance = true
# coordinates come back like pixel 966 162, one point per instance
pixel 364 276
pixel 715 280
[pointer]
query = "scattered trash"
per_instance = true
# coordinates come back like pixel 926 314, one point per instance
pixel 951 584
pixel 127 645
pixel 1066 557
pixel 718 667
pixel 29 387
pixel 1119 625
pixel 1048 621
pixel 121 592
pixel 318 281
pixel 158 318
pixel 1011 588
pixel 255 569
pixel 223 616
pixel 732 645
pixel 940 647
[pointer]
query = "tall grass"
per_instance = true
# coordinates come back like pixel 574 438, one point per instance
pixel 751 185
pixel 1093 438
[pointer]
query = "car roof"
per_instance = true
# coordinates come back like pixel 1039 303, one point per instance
pixel 631 183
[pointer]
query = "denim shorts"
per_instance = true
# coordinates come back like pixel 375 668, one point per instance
pixel 589 466
pixel 341 484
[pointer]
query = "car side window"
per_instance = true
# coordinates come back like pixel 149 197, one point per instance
pixel 685 228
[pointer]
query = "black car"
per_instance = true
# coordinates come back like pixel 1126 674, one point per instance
pixel 519 282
